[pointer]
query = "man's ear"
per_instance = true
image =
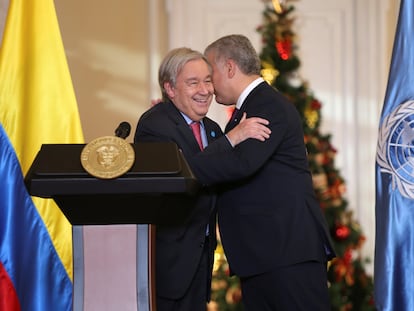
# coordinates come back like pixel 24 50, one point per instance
pixel 231 68
pixel 169 89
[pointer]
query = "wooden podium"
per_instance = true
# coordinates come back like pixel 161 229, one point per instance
pixel 113 232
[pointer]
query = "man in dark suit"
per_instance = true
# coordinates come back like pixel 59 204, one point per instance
pixel 273 231
pixel 184 251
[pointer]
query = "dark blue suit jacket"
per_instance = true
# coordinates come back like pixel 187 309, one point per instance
pixel 267 210
pixel 179 247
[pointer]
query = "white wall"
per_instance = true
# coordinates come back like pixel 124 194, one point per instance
pixel 113 50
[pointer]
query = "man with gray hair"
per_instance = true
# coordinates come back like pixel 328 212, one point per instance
pixel 273 231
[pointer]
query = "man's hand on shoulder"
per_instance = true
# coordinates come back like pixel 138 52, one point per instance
pixel 253 127
pixel 155 101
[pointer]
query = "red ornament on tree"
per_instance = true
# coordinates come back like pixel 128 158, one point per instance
pixel 342 232
pixel 315 104
pixel 284 48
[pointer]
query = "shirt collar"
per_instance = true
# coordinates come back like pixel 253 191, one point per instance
pixel 189 121
pixel 247 91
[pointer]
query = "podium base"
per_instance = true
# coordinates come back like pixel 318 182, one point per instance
pixel 113 268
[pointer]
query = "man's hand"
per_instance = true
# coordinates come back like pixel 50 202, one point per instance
pixel 155 101
pixel 253 127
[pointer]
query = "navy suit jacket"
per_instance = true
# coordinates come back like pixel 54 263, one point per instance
pixel 267 210
pixel 180 246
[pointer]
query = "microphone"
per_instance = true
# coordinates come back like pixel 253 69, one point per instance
pixel 123 130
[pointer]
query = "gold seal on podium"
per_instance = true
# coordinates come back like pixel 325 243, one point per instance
pixel 107 157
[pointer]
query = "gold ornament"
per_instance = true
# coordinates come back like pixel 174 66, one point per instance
pixel 269 75
pixel 277 5
pixel 311 117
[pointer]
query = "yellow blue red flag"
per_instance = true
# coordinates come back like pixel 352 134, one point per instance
pixel 37 106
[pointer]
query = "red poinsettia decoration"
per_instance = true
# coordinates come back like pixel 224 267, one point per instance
pixel 344 268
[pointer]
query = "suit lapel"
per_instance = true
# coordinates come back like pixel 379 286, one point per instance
pixel 211 128
pixel 236 119
pixel 187 136
pixel 212 132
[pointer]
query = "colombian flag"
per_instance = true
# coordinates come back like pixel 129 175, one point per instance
pixel 37 106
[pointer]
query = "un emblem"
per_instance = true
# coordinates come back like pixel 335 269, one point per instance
pixel 395 150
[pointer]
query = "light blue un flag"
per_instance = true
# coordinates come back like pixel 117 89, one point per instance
pixel 394 242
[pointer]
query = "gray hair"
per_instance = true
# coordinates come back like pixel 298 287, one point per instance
pixel 172 65
pixel 239 49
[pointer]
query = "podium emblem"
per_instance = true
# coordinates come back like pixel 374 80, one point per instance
pixel 107 157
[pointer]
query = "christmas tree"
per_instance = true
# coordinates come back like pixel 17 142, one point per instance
pixel 350 287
